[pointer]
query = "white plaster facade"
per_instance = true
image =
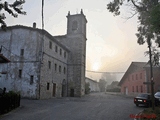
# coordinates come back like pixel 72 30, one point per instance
pixel 41 66
pixel 94 87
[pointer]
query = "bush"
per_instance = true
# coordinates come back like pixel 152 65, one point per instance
pixel 149 112
pixel 9 101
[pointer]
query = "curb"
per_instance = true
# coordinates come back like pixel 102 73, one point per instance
pixel 119 94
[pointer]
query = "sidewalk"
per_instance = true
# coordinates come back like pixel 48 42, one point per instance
pixel 120 94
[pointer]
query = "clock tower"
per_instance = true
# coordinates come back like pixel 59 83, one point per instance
pixel 76 24
pixel 76 42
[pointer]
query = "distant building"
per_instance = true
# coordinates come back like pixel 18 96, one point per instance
pixel 136 75
pixel 94 87
pixel 44 66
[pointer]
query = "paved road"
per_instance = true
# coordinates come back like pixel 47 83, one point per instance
pixel 96 106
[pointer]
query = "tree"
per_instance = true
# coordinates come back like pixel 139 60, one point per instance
pixel 102 85
pixel 14 9
pixel 146 30
pixel 155 18
pixel 145 10
pixel 109 77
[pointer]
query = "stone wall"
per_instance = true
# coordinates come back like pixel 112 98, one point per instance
pixel 56 72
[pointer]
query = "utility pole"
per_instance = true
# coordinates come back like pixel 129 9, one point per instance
pixel 151 73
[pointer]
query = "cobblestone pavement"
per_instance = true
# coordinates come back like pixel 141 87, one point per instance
pixel 96 106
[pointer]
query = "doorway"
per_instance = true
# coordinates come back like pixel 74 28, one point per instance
pixel 54 90
pixel 64 88
pixel 126 90
pixel 72 92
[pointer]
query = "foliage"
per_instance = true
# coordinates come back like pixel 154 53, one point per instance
pixel 87 88
pixel 155 18
pixel 109 77
pixel 9 101
pixel 145 10
pixel 14 9
pixel 102 85
pixel 11 93
pixel 150 111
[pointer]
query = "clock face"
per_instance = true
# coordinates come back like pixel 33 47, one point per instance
pixel 74 25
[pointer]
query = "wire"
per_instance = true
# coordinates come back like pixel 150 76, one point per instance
pixel 105 72
pixel 23 61
pixel 14 53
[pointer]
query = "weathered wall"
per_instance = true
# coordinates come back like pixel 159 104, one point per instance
pixel 132 82
pixel 53 75
pixel 46 79
pixel 14 41
pixel 75 40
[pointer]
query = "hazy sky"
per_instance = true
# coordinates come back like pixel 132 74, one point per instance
pixel 111 41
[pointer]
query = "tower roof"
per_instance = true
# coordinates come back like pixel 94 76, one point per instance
pixel 80 14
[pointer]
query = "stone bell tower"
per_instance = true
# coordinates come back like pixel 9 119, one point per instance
pixel 76 40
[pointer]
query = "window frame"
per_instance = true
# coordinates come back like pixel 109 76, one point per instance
pixel 65 54
pixel 132 88
pixel 31 79
pixel 49 64
pixel 48 85
pixel 56 49
pixel 60 68
pixel 22 52
pixel 64 70
pixel 60 51
pixel 20 73
pixel 50 44
pixel 55 67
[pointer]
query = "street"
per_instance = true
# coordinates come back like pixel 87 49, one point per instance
pixel 95 106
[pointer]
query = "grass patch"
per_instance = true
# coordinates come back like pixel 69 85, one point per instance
pixel 151 114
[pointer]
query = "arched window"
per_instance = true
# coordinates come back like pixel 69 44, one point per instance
pixel 74 25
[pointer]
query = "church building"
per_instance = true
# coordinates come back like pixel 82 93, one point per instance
pixel 44 66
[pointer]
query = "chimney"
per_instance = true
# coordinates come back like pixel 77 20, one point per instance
pixel 34 25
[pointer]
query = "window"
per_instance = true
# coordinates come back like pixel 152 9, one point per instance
pixel 132 88
pixel 74 25
pixel 64 70
pixel 64 54
pixel 31 79
pixel 136 77
pixel 128 78
pixel 55 67
pixel 49 64
pixel 140 75
pixel 136 88
pixel 158 87
pixel 141 88
pixel 56 49
pixel 47 86
pixel 20 73
pixel 60 51
pixel 22 52
pixel 50 44
pixel 60 69
pixel 132 77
